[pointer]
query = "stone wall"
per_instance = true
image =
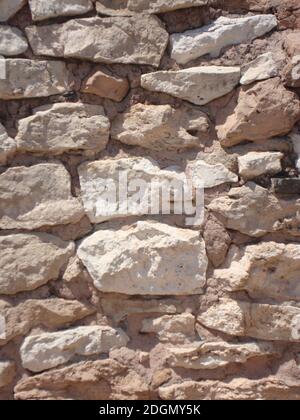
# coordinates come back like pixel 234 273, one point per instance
pixel 125 305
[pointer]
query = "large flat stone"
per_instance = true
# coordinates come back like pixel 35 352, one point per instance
pixel 102 191
pixel 34 79
pixel 267 269
pixel 36 196
pixel 255 164
pixel 7 146
pixel 257 320
pixel 28 261
pixel 48 350
pixel 199 85
pixel 159 127
pixel 12 41
pixel 108 40
pixel 70 127
pixel 209 176
pixel 211 39
pixel 263 67
pixel 147 259
pixel 239 211
pixel 46 9
pixel 9 8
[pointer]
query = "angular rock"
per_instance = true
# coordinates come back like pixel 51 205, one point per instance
pixel 49 313
pixel 217 241
pixel 239 211
pixel 106 86
pixel 46 9
pixel 292 72
pixel 199 85
pixel 102 184
pixel 48 350
pixel 214 355
pixel 34 79
pixel 257 113
pixel 12 41
pixel 92 380
pixel 28 261
pixel 7 373
pixel 255 164
pixel 286 186
pixel 267 269
pixel 269 388
pixel 148 259
pixel 69 127
pixel 291 43
pixel 257 320
pixel 175 329
pixel 36 196
pixel 209 176
pixel 132 7
pixel 224 32
pixel 9 8
pixel 159 127
pixel 7 146
pixel 108 40
pixel 263 67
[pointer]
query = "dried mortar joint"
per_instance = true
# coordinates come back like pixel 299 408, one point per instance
pixel 149 202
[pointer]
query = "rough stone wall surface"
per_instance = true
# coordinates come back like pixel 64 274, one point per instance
pixel 127 305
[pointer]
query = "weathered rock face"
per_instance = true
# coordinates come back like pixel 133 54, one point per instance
pixel 99 380
pixel 12 41
pixel 175 329
pixel 262 321
pixel 268 269
pixel 292 72
pixel 103 183
pixel 160 127
pixel 49 313
pixel 69 127
pixel 46 9
pixel 48 350
pixel 239 210
pixel 209 176
pixel 270 388
pixel 263 67
pixel 7 146
pixel 7 373
pixel 37 196
pixel 50 254
pixel 109 40
pixel 132 7
pixel 254 164
pixel 34 78
pixel 9 8
pixel 199 85
pixel 217 240
pixel 258 112
pixel 106 86
pixel 149 259
pixel 213 355
pixel 211 39
pixel 291 43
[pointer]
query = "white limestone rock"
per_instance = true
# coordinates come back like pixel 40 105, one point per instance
pixel 147 259
pixel 211 39
pixel 255 164
pixel 8 8
pixel 263 67
pixel 199 85
pixel 7 146
pixel 12 41
pixel 28 261
pixel 34 79
pixel 209 176
pixel 48 350
pixel 46 9
pixel 108 40
pixel 63 127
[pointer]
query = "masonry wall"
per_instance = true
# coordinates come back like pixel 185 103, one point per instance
pixel 108 302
